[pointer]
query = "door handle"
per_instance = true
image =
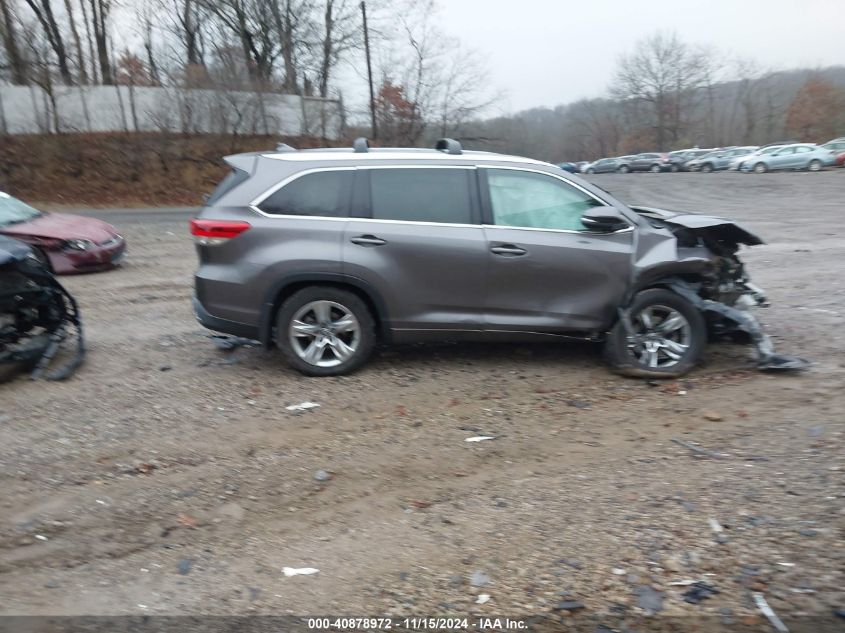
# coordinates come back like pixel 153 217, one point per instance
pixel 368 240
pixel 508 250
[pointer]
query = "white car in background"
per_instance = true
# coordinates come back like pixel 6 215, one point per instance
pixel 736 161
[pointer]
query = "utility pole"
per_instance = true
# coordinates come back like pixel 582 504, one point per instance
pixel 369 71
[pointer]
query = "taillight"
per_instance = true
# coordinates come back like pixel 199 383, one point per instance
pixel 211 232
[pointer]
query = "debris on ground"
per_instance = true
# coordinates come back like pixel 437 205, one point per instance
pixel 483 598
pixel 322 475
pixel 184 566
pixel 697 449
pixel 300 571
pixel 648 599
pixel 227 343
pixel 304 406
pixel 766 610
pixel 713 416
pixel 699 591
pixel 479 579
pixel 569 605
pixel 480 438
pixel 715 525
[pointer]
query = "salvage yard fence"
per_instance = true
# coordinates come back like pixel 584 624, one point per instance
pixel 34 110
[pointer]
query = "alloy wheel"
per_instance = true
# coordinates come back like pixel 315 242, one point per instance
pixel 324 333
pixel 661 337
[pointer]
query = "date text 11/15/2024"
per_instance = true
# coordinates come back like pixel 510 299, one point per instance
pixel 417 624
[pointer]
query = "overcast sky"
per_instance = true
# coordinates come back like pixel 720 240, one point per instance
pixel 549 52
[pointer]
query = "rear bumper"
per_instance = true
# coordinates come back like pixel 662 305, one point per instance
pixel 208 320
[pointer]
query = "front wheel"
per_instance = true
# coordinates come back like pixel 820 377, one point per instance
pixel 624 169
pixel 591 171
pixel 760 168
pixel 667 339
pixel 325 331
pixel 706 168
pixel 674 169
pixel 815 165
pixel 654 169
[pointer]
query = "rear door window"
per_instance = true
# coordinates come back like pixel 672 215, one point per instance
pixel 318 194
pixel 440 195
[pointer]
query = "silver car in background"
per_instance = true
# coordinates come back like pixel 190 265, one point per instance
pixel 796 156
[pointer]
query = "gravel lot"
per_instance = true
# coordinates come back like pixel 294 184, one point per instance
pixel 167 477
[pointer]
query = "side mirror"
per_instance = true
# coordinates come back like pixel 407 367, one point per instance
pixel 604 220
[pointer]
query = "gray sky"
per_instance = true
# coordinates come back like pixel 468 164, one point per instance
pixel 549 52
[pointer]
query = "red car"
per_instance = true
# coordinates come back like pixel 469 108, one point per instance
pixel 840 160
pixel 69 243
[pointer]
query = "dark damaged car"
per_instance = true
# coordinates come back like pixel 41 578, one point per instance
pixel 323 253
pixel 64 242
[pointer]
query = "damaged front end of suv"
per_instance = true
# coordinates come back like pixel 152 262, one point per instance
pixel 701 266
pixel 38 316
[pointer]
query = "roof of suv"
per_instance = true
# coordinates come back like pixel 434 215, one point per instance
pixel 447 149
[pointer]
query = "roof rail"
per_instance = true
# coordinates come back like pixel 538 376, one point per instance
pixel 361 145
pixel 449 145
pixel 284 147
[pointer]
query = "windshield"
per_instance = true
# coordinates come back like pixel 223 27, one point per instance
pixel 13 211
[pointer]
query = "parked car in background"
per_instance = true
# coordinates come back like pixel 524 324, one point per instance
pixel 624 163
pixel 684 156
pixel 721 160
pixel 799 156
pixel 68 243
pixel 582 166
pixel 653 162
pixel 572 168
pixel 836 145
pixel 603 166
pixel 737 161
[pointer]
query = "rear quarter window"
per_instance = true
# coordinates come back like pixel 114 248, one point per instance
pixel 229 182
pixel 318 194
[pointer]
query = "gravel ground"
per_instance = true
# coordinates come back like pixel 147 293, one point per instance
pixel 167 477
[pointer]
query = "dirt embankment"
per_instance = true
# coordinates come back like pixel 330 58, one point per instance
pixel 122 169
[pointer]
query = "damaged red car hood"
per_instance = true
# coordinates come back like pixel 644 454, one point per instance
pixel 728 229
pixel 61 226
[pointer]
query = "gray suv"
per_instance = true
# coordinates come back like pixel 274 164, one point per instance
pixel 323 253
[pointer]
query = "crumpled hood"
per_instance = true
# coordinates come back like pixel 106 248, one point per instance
pixel 723 228
pixel 62 226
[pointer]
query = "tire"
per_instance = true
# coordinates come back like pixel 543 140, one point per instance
pixel 624 169
pixel 635 360
pixel 654 169
pixel 591 171
pixel 706 168
pixel 674 169
pixel 760 168
pixel 319 310
pixel 815 165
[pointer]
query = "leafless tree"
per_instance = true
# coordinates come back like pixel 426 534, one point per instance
pixel 665 75
pixel 100 10
pixel 11 44
pixel 43 10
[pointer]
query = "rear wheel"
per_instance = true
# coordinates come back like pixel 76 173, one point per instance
pixel 815 165
pixel 591 171
pixel 674 169
pixel 654 169
pixel 760 168
pixel 325 331
pixel 624 169
pixel 667 341
pixel 706 168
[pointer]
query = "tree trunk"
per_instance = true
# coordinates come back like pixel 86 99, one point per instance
pixel 328 51
pixel 80 58
pixel 44 13
pixel 99 13
pixel 91 57
pixel 284 27
pixel 10 44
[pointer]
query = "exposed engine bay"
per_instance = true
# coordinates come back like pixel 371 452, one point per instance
pixel 39 319
pixel 717 283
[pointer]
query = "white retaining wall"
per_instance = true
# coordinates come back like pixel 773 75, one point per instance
pixel 29 110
